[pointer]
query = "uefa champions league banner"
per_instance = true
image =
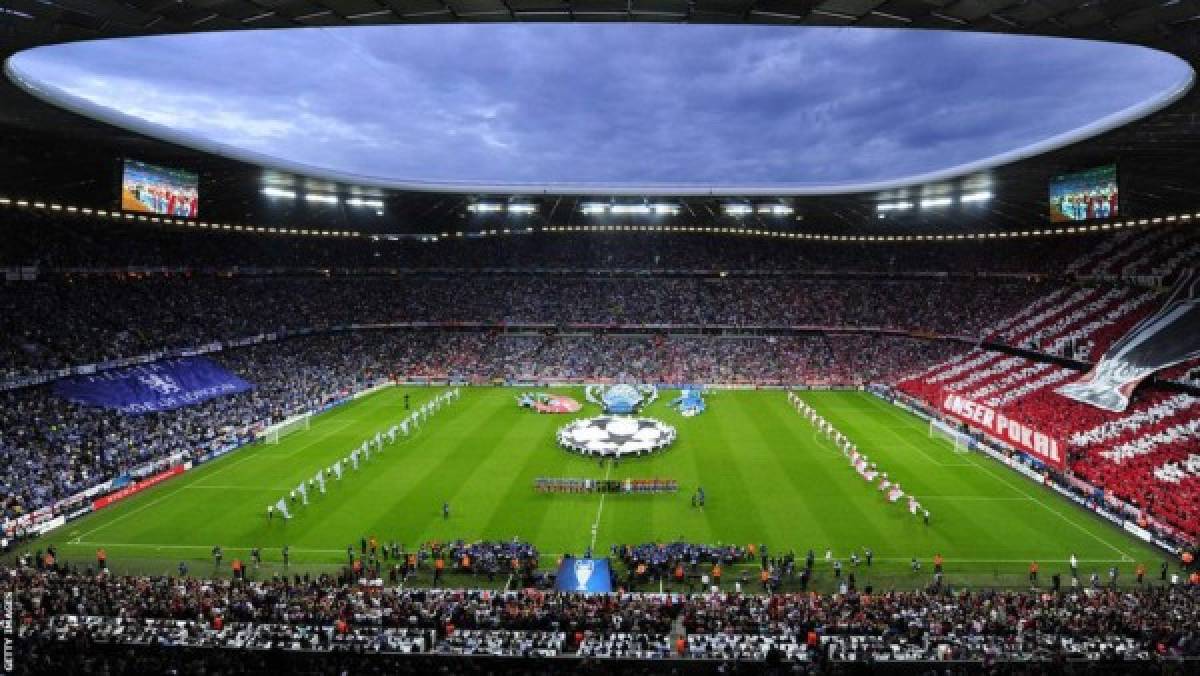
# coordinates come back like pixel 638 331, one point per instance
pixel 584 576
pixel 1166 338
pixel 149 388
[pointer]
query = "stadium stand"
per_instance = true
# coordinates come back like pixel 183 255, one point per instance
pixel 58 607
pixel 955 284
pixel 53 241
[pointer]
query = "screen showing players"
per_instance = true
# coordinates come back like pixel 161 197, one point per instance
pixel 159 190
pixel 1084 195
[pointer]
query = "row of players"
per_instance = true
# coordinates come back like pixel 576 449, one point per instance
pixel 868 470
pixel 547 485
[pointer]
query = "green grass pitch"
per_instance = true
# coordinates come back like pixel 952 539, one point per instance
pixel 769 478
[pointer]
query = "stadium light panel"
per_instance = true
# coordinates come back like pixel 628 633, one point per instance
pixel 485 208
pixel 934 202
pixel 971 197
pixel 775 209
pixel 522 208
pixel 362 202
pixel 320 199
pixel 894 206
pixel 738 209
pixel 593 207
pixel 629 209
pixel 281 193
pixel 663 209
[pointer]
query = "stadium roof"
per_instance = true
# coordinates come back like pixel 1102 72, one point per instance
pixel 1158 155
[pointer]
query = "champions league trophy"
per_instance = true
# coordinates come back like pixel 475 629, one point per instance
pixel 583 572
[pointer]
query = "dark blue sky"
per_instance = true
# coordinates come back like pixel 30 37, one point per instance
pixel 625 103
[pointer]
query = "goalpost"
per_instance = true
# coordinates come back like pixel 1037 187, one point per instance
pixel 960 440
pixel 294 424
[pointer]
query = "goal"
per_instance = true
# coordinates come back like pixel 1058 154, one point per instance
pixel 940 430
pixel 279 430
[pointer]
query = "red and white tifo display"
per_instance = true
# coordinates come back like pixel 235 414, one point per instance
pixel 614 436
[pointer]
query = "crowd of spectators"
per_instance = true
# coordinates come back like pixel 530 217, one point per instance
pixel 51 448
pixel 321 614
pixel 74 320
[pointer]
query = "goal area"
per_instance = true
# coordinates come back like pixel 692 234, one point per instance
pixel 961 441
pixel 275 432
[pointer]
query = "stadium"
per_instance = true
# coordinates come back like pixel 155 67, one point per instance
pixel 717 336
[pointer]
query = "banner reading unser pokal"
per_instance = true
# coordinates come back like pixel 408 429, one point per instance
pixel 998 426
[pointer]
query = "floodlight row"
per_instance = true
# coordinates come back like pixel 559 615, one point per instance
pixel 934 202
pixel 119 215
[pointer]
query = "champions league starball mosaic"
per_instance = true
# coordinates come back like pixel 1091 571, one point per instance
pixel 616 436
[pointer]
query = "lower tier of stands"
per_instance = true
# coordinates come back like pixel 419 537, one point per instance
pixel 62 608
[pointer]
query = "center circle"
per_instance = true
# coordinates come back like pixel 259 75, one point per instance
pixel 611 436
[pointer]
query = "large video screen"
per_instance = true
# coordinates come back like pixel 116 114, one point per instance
pixel 159 190
pixel 1084 195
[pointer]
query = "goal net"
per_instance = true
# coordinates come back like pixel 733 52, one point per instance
pixel 940 430
pixel 280 430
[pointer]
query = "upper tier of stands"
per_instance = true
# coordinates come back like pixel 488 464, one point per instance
pixel 64 322
pixel 55 240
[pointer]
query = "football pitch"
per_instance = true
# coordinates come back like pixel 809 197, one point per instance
pixel 769 478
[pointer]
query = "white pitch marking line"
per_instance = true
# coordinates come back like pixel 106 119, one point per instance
pixel 202 547
pixel 1055 512
pixel 235 462
pixel 754 565
pixel 980 498
pixel 232 464
pixel 129 514
pixel 596 525
pixel 901 559
pixel 227 487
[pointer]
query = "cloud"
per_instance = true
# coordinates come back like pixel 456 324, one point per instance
pixel 626 103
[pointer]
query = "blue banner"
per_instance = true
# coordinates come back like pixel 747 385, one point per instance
pixel 149 388
pixel 584 576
